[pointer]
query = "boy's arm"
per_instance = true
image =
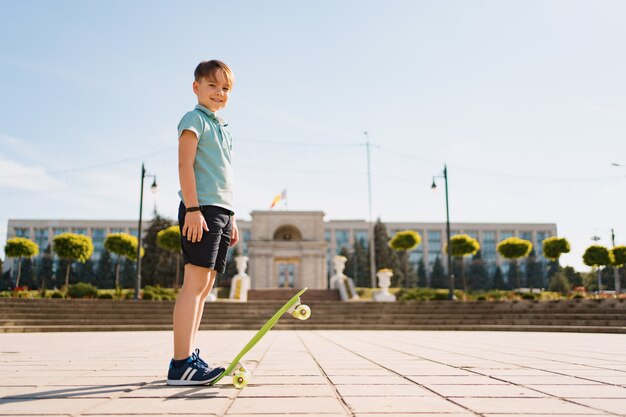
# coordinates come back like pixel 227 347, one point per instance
pixel 234 234
pixel 194 221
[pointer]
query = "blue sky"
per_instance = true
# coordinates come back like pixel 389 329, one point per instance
pixel 524 100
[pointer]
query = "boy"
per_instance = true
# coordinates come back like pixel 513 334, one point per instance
pixel 205 215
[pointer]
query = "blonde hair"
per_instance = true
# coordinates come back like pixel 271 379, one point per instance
pixel 209 69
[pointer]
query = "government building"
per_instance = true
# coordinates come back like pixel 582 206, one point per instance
pixel 295 248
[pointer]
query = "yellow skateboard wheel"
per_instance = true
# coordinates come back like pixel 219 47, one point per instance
pixel 302 312
pixel 241 379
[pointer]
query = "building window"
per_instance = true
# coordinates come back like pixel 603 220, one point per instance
pixel 472 233
pixel 505 234
pixel 79 231
pixel 488 246
pixel 41 238
pixel 342 240
pixel 541 236
pixel 133 231
pixel 97 236
pixel 117 230
pixel 526 235
pixel 59 230
pixel 327 235
pixel 22 232
pixel 434 241
pixel 244 242
pixel 361 236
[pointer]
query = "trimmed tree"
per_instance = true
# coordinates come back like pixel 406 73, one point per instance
pixel 405 241
pixel 462 245
pixel 20 247
pixel 125 247
pixel 619 260
pixel 597 256
pixel 72 247
pixel 514 248
pixel 553 247
pixel 169 239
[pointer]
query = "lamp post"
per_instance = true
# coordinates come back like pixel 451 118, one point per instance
pixel 153 188
pixel 448 257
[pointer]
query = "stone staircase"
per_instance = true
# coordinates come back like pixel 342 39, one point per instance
pixel 286 293
pixel 46 315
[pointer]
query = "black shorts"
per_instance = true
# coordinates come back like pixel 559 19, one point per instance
pixel 211 250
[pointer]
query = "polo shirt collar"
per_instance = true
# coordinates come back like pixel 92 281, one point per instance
pixel 211 115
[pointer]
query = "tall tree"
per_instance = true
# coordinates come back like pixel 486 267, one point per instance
pixel 498 279
pixel 158 265
pixel 358 264
pixel 129 272
pixel 169 239
pixel 514 248
pixel 385 256
pixel 105 276
pixel 574 277
pixel 534 271
pixel 422 277
pixel 85 272
pixel 478 276
pixel 438 277
pixel 20 247
pixel 46 269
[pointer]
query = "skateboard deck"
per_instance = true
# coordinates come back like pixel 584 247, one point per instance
pixel 241 376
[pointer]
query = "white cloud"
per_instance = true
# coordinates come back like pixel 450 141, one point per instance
pixel 16 175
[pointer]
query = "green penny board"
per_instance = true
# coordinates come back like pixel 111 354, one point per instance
pixel 259 335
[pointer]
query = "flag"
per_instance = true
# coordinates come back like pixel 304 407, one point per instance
pixel 280 197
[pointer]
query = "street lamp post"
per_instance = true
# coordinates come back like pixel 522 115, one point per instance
pixel 153 188
pixel 448 245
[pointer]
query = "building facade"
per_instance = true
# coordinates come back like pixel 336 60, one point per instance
pixel 295 248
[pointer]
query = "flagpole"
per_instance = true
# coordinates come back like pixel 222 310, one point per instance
pixel 371 223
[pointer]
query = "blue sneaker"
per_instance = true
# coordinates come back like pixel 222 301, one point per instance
pixel 193 372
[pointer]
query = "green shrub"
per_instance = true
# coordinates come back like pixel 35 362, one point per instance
pixel 439 296
pixel 528 296
pixel 82 290
pixel 481 298
pixel 559 283
pixel 5 294
pixel 57 294
pixel 105 296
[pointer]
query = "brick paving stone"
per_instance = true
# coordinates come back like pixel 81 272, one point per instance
pixel 582 391
pixel 383 391
pixel 484 391
pixel 211 406
pixel 528 405
pixel 617 406
pixel 275 406
pixel 329 373
pixel 48 406
pixel 455 380
pixel 401 405
pixel 284 391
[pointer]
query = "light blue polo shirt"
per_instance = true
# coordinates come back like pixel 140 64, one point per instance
pixel 212 166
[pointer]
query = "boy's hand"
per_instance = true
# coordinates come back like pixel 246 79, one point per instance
pixel 194 225
pixel 234 234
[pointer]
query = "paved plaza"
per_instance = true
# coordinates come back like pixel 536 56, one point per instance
pixel 320 373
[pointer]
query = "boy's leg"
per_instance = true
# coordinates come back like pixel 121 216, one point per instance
pixel 203 296
pixel 188 303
